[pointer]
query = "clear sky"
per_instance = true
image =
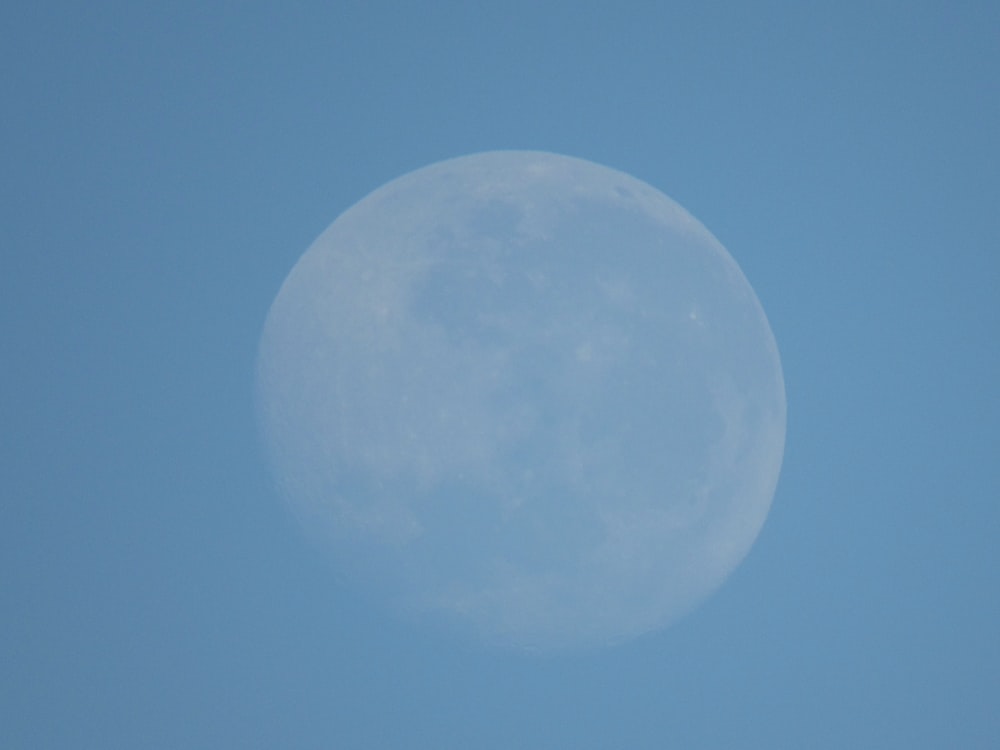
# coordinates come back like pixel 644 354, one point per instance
pixel 164 166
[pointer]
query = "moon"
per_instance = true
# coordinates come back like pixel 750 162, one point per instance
pixel 524 396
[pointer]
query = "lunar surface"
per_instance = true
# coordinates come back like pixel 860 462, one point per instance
pixel 526 396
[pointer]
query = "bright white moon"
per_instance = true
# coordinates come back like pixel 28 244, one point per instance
pixel 526 395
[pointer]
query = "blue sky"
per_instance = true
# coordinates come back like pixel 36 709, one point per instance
pixel 165 167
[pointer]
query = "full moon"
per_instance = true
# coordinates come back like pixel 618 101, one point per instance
pixel 525 396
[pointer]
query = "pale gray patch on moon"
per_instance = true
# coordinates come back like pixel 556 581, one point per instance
pixel 525 394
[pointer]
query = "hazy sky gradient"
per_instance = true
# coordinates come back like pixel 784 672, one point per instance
pixel 163 169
